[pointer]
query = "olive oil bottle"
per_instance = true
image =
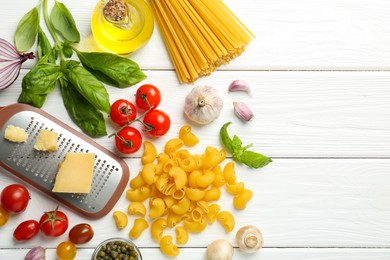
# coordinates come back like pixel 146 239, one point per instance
pixel 122 26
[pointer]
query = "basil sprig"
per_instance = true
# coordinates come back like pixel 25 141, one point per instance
pixel 83 92
pixel 240 153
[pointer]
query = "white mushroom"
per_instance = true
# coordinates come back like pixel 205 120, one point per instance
pixel 219 250
pixel 249 239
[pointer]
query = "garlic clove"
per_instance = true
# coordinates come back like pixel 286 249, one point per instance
pixel 239 85
pixel 36 253
pixel 243 111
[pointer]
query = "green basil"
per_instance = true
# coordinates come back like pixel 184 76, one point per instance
pixel 64 23
pixel 27 30
pixel 32 99
pixel 240 153
pixel 83 114
pixel 42 78
pixel 67 50
pixel 112 69
pixel 91 88
pixel 44 47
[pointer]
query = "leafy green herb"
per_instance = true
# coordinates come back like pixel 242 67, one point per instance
pixel 63 22
pixel 27 30
pixel 91 88
pixel 112 69
pixel 82 90
pixel 90 120
pixel 240 153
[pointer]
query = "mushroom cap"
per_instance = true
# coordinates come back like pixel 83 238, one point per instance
pixel 219 249
pixel 249 239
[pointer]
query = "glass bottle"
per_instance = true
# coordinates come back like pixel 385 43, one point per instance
pixel 122 26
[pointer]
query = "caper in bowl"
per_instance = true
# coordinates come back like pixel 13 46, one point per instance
pixel 117 248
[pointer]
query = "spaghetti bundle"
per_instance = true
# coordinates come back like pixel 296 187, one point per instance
pixel 200 35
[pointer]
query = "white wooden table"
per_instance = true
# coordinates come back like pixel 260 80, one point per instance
pixel 320 76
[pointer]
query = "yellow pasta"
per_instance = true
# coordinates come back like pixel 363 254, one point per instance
pixel 139 194
pixel 213 213
pixel 182 206
pixel 227 220
pixel 189 138
pixel 157 207
pixel 205 179
pixel 212 194
pixel 150 153
pixel 179 187
pixel 181 235
pixel 157 228
pixel 121 219
pixel 137 181
pixel 195 226
pixel 136 208
pixel 140 224
pixel 173 145
pixel 167 247
pixel 149 173
pixel 235 188
pixel 179 176
pixel 200 35
pixel 242 199
pixel 229 172
pixel 195 194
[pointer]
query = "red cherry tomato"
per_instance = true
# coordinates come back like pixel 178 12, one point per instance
pixel 147 96
pixel 81 233
pixel 157 122
pixel 26 230
pixel 15 198
pixel 128 140
pixel 53 223
pixel 122 112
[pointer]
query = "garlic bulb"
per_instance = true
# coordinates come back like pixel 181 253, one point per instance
pixel 203 105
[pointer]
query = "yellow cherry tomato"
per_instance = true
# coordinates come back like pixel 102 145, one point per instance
pixel 66 251
pixel 4 216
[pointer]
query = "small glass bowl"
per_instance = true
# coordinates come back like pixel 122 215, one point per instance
pixel 95 254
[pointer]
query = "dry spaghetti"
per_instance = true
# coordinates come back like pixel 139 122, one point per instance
pixel 200 35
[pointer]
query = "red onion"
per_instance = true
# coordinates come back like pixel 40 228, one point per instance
pixel 10 63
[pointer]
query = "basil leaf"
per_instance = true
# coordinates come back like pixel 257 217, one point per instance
pixel 112 69
pixel 91 88
pixel 44 47
pixel 32 99
pixel 236 143
pixel 90 120
pixel 27 30
pixel 254 160
pixel 64 23
pixel 67 50
pixel 225 138
pixel 42 78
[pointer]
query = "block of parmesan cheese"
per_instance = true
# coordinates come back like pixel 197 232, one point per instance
pixel 15 134
pixel 75 173
pixel 46 141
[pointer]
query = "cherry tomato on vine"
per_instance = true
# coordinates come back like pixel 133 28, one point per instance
pixel 147 96
pixel 122 112
pixel 4 216
pixel 66 251
pixel 128 140
pixel 15 198
pixel 26 230
pixel 53 223
pixel 157 122
pixel 81 233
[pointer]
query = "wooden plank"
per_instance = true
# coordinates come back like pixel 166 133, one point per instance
pixel 264 254
pixel 298 35
pixel 297 114
pixel 296 203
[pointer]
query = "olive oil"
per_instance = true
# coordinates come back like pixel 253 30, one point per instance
pixel 122 26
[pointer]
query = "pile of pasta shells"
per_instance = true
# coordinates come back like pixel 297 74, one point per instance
pixel 181 190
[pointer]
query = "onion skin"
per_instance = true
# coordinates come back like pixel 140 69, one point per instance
pixel 10 63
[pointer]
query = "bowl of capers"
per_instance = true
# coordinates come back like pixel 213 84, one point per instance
pixel 117 248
